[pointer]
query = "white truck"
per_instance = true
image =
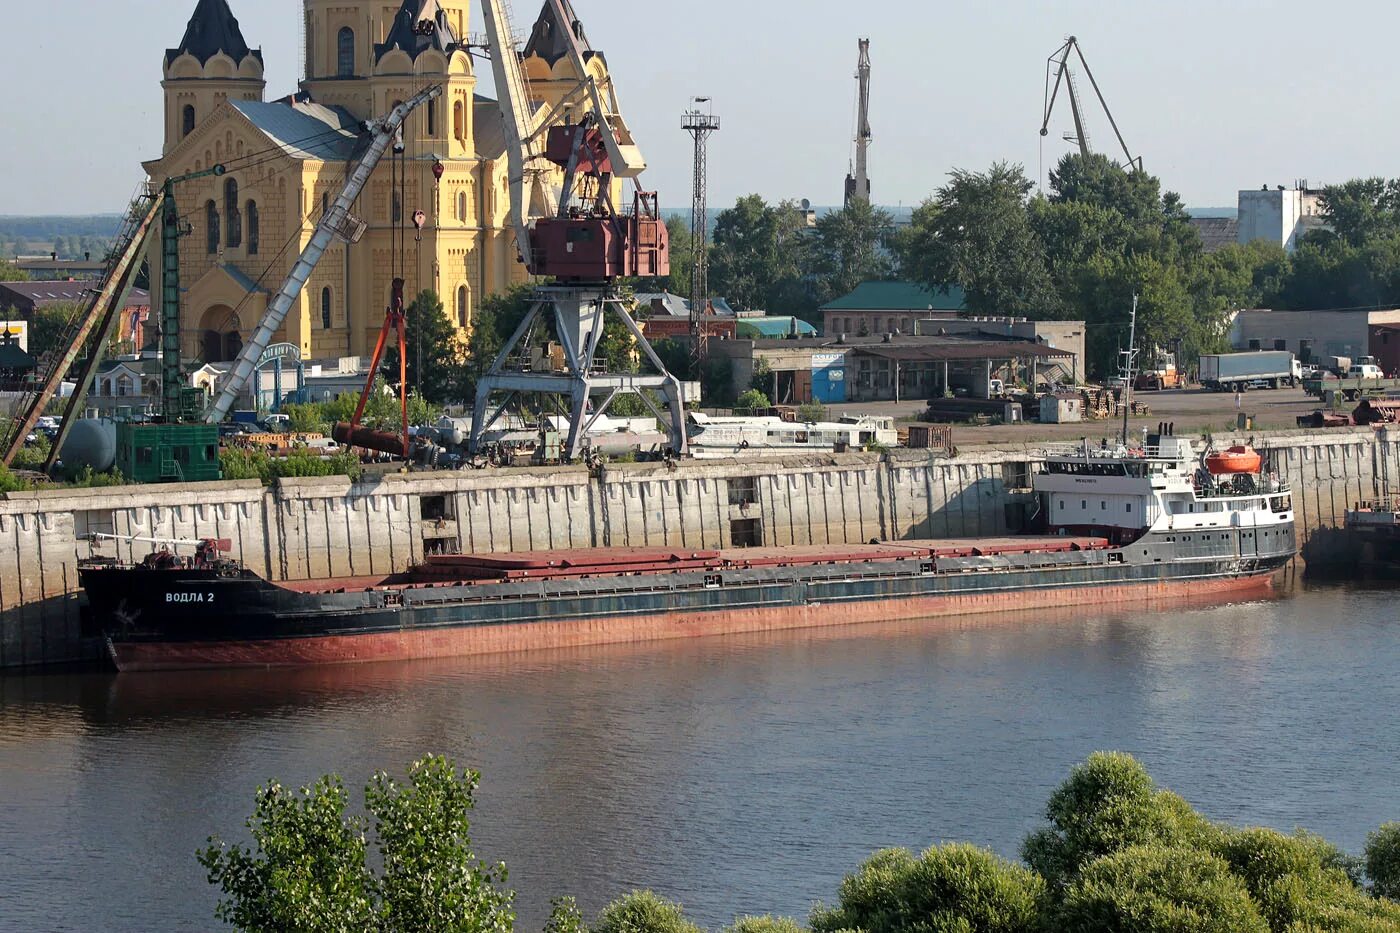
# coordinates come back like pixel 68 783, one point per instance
pixel 1228 372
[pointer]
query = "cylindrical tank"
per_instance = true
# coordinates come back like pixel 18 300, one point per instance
pixel 91 443
pixel 369 440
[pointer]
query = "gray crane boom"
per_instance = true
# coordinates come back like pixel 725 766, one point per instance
pixel 384 132
pixel 1059 63
pixel 858 186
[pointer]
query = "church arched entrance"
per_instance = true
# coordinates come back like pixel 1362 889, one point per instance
pixel 221 337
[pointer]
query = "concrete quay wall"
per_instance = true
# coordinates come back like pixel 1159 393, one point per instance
pixel 318 528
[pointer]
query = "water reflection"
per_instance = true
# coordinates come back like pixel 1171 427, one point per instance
pixel 738 774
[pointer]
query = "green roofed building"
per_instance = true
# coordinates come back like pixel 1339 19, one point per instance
pixel 767 328
pixel 890 307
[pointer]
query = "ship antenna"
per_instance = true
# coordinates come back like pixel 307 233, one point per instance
pixel 1129 368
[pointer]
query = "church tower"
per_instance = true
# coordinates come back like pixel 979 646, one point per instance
pixel 213 63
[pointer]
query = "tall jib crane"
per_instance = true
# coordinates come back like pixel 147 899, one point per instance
pixel 337 221
pixel 583 242
pixel 97 323
pixel 858 181
pixel 1059 71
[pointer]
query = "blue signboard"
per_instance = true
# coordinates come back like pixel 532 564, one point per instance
pixel 828 377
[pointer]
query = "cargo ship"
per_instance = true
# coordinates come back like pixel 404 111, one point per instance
pixel 1114 524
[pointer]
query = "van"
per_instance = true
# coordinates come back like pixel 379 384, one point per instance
pixel 1365 371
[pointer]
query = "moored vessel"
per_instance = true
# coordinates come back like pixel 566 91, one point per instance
pixel 1114 524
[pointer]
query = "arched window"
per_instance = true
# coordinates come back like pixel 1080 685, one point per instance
pixel 254 233
pixel 462 306
pixel 396 212
pixel 325 309
pixel 187 120
pixel 459 124
pixel 462 206
pixel 232 217
pixel 211 221
pixel 325 203
pixel 345 53
pixel 432 117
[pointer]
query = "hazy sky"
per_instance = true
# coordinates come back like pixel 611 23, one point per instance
pixel 1216 95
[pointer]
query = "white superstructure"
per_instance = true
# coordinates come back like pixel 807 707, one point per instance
pixel 1163 487
pixel 731 436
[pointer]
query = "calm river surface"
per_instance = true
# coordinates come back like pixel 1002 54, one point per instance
pixel 738 775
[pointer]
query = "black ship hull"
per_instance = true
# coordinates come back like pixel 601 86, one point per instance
pixel 189 618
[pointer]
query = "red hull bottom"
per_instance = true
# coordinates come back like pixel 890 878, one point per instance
pixel 470 640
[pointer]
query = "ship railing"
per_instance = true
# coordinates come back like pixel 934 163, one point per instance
pixel 1382 504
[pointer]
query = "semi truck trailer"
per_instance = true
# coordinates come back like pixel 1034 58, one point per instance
pixel 1226 372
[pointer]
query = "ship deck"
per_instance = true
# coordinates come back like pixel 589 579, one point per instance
pixel 583 563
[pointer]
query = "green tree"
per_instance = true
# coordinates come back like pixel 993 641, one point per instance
pixel 849 248
pixel 9 272
pixel 1157 889
pixel 752 400
pixel 442 353
pixel 1107 805
pixel 1383 861
pixel 643 912
pixel 308 868
pixel 1363 209
pixel 48 326
pixel 954 888
pixel 758 253
pixel 765 924
pixel 976 232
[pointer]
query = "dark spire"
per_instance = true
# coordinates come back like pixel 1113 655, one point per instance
pixel 419 25
pixel 213 29
pixel 550 40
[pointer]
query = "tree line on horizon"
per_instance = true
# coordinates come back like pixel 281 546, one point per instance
pixel 1098 236
pixel 1116 854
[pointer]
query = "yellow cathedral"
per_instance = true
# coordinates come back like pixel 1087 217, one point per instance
pixel 287 159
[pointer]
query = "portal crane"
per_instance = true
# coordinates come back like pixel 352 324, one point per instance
pixel 858 182
pixel 1058 71
pixel 583 242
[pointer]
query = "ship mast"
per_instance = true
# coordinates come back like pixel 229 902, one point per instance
pixel 1129 369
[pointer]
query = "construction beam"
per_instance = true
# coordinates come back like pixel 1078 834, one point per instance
pixel 115 284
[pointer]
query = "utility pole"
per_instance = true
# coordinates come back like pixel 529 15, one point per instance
pixel 1129 369
pixel 700 125
pixel 858 182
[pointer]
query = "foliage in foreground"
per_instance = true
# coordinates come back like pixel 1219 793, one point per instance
pixel 309 868
pixel 1117 855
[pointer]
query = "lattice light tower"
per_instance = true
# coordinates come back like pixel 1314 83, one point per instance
pixel 700 124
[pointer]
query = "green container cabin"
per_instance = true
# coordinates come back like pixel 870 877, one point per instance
pixel 168 453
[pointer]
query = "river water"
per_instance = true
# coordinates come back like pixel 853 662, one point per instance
pixel 739 775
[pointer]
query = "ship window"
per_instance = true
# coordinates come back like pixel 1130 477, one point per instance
pixel 1103 505
pixel 1062 503
pixel 1130 508
pixel 1084 504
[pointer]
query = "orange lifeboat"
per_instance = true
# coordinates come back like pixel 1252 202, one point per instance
pixel 1237 459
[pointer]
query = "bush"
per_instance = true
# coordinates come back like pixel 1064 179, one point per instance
pixel 765 924
pixel 9 482
pixel 643 912
pixel 949 889
pixel 1109 804
pixel 1158 889
pixel 1383 861
pixel 811 412
pixel 308 868
pixel 752 399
